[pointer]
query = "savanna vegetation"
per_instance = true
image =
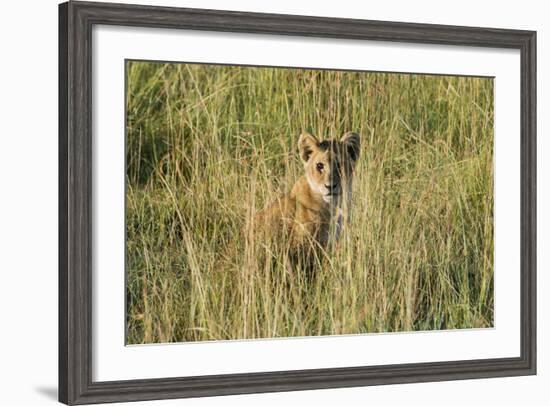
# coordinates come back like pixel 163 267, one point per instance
pixel 208 146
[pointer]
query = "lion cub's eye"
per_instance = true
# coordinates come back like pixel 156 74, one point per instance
pixel 320 167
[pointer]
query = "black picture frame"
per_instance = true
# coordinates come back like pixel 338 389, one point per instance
pixel 76 20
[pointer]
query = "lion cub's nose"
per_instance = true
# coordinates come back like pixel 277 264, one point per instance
pixel 330 187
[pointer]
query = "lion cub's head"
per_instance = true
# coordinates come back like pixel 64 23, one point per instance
pixel 329 164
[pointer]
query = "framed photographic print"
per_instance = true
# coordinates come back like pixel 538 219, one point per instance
pixel 256 202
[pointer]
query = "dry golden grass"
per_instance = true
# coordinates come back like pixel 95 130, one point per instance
pixel 207 146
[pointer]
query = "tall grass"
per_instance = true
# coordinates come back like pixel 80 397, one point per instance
pixel 207 146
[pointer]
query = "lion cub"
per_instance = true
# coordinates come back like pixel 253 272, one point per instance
pixel 312 214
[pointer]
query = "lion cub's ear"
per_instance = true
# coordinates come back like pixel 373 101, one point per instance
pixel 352 142
pixel 306 145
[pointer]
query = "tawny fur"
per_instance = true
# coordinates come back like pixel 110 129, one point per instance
pixel 312 214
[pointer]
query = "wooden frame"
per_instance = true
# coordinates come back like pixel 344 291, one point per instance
pixel 75 204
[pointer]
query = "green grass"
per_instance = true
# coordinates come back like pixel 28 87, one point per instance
pixel 207 146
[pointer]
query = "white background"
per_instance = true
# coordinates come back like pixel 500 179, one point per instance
pixel 28 201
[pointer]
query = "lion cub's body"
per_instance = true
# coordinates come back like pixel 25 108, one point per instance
pixel 301 216
pixel 311 215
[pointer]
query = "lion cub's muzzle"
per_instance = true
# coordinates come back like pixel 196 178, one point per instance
pixel 332 190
